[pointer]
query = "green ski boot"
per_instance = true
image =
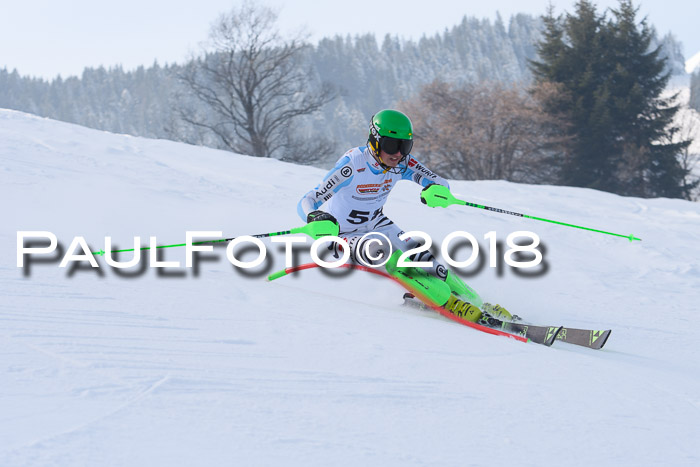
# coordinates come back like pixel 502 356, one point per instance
pixel 495 315
pixel 462 309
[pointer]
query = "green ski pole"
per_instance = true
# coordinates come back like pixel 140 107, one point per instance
pixel 438 196
pixel 314 230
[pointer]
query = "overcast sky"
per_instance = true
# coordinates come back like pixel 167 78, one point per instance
pixel 45 38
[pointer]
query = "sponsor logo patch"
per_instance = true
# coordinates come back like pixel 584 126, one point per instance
pixel 368 188
pixel 419 168
pixel 371 188
pixel 329 184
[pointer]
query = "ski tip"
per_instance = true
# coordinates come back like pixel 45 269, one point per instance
pixel 604 338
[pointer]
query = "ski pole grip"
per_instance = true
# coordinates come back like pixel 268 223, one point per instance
pixel 438 196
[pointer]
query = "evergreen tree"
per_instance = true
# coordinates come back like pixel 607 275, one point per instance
pixel 647 163
pixel 621 127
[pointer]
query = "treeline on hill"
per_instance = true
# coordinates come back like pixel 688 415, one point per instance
pixel 478 112
pixel 369 75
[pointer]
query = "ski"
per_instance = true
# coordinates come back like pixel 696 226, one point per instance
pixel 583 337
pixel 590 338
pixel 545 335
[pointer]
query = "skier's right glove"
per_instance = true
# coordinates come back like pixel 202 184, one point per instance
pixel 314 216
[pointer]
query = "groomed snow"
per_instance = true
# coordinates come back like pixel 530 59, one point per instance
pixel 223 369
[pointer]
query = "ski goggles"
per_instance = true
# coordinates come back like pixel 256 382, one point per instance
pixel 393 145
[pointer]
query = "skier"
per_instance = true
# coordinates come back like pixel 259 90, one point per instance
pixel 353 194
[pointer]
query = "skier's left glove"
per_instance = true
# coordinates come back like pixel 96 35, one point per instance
pixel 437 196
pixel 314 216
pixel 425 192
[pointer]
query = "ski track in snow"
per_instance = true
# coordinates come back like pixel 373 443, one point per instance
pixel 221 368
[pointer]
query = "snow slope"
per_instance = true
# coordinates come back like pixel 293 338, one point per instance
pixel 219 368
pixel 692 63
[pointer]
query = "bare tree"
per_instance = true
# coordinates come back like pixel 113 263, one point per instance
pixel 253 83
pixel 477 131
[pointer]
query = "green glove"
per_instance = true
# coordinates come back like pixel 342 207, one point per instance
pixel 438 196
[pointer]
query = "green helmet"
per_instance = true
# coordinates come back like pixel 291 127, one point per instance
pixel 391 131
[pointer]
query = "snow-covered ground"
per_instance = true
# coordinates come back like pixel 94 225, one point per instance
pixel 220 368
pixel 692 63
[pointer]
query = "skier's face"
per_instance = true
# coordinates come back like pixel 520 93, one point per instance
pixel 392 150
pixel 392 160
